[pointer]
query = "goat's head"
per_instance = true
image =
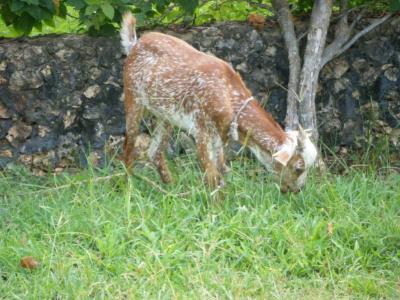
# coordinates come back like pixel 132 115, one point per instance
pixel 292 161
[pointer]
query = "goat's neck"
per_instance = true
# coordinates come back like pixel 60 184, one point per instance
pixel 260 132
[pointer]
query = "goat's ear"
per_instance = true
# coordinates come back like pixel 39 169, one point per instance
pixel 289 147
pixel 282 156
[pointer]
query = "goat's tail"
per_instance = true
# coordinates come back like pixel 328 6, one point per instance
pixel 128 32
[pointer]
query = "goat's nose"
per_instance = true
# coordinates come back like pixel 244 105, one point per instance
pixel 295 190
pixel 284 189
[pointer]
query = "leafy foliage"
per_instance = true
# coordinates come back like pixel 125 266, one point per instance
pixel 103 16
pixel 383 5
pixel 305 6
pixel 395 5
pixel 26 14
pixel 97 15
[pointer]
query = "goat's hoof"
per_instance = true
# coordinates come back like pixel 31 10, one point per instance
pixel 226 169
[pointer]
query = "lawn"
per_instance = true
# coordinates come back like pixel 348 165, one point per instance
pixel 101 234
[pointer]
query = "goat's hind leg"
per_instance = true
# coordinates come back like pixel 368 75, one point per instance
pixel 156 150
pixel 133 115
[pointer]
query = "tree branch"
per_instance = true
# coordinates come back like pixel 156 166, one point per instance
pixel 316 39
pixel 343 8
pixel 338 17
pixel 363 32
pixel 342 35
pixel 71 16
pixel 289 34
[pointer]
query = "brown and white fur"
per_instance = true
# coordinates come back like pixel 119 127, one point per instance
pixel 203 95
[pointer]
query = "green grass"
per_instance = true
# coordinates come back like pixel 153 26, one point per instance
pixel 100 235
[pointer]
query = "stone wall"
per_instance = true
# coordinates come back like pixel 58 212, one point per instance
pixel 60 95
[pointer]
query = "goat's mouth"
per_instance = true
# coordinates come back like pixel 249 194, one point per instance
pixel 285 189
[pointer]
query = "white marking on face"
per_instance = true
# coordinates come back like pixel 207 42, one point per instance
pixel 262 156
pixel 309 152
pixel 301 180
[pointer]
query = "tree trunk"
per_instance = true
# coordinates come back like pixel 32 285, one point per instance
pixel 302 86
pixel 316 38
pixel 289 34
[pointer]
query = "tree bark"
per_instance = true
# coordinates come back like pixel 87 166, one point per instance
pixel 316 38
pixel 289 34
pixel 303 82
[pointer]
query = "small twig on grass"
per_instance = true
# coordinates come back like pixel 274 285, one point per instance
pixel 71 16
pixel 144 178
pixel 359 166
pixel 390 168
pixel 155 185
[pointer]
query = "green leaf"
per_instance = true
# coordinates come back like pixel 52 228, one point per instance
pixel 17 5
pixel 108 10
pixel 38 26
pixel 93 2
pixel 7 15
pixel 395 5
pixel 91 9
pixel 150 13
pixel 161 5
pixel 35 11
pixel 49 4
pixel 78 4
pixel 50 22
pixel 107 30
pixel 34 2
pixel 24 23
pixel 189 5
pixel 140 18
pixel 144 5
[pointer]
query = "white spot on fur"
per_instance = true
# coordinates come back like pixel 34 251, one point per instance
pixel 156 141
pixel 214 147
pixel 184 121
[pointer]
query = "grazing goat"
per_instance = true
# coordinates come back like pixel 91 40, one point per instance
pixel 203 95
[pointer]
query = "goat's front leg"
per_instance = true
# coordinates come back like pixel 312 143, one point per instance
pixel 156 150
pixel 219 158
pixel 207 156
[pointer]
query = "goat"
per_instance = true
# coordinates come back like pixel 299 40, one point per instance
pixel 204 96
